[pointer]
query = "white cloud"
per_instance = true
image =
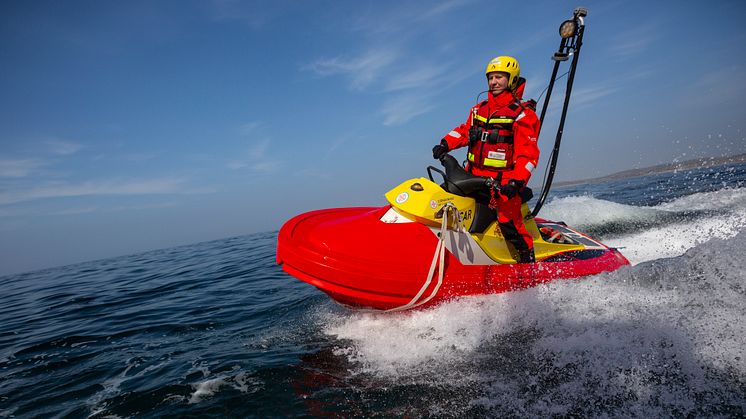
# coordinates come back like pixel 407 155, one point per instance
pixel 394 60
pixel 629 48
pixel 137 157
pixel 250 128
pixel 95 188
pixel 236 165
pixel 581 97
pixel 407 83
pixel 528 41
pixel 257 159
pixel 589 95
pixel 75 211
pixel 402 108
pixel 256 14
pixel 9 212
pixel 723 87
pixel 634 41
pixel 156 205
pixel 266 166
pixel 338 142
pixel 19 168
pixel 63 148
pixel 421 76
pixel 397 20
pixel 315 173
pixel 258 150
pixel 361 70
pixel 441 8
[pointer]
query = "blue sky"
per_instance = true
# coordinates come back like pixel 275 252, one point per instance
pixel 129 126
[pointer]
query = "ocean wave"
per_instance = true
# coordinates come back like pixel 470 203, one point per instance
pixel 588 212
pixel 662 337
pixel 664 230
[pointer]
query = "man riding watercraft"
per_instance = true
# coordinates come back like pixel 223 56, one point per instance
pixel 501 134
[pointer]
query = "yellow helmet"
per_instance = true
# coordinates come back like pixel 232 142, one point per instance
pixel 507 65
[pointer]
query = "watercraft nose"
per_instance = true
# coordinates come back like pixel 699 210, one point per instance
pixel 355 257
pixel 357 234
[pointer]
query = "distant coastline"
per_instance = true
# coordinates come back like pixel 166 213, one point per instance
pixel 661 168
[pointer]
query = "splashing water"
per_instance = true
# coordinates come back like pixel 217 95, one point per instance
pixel 660 338
pixel 664 230
pixel 216 328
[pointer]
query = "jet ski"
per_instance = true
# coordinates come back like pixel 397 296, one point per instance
pixel 431 243
pixel 437 241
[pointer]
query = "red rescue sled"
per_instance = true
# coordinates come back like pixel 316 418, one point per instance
pixel 383 258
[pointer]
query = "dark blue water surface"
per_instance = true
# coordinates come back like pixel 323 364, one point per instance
pixel 217 329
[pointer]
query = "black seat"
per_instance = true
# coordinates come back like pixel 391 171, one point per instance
pixel 460 182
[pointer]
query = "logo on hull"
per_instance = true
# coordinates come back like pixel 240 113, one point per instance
pixel 402 198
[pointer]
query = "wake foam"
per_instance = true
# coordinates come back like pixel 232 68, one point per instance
pixel 665 230
pixel 723 199
pixel 241 381
pixel 660 338
pixel 586 212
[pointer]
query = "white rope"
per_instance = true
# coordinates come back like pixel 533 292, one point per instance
pixel 438 259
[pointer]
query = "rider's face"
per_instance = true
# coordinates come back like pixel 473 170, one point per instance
pixel 497 82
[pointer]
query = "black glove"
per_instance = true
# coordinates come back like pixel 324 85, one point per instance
pixel 440 149
pixel 510 189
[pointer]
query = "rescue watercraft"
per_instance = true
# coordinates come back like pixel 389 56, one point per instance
pixel 431 243
pixel 436 241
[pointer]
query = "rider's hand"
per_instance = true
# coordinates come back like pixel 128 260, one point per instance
pixel 510 189
pixel 440 149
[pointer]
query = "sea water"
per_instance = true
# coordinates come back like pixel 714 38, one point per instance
pixel 217 329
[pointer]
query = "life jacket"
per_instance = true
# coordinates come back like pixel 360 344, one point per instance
pixel 491 136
